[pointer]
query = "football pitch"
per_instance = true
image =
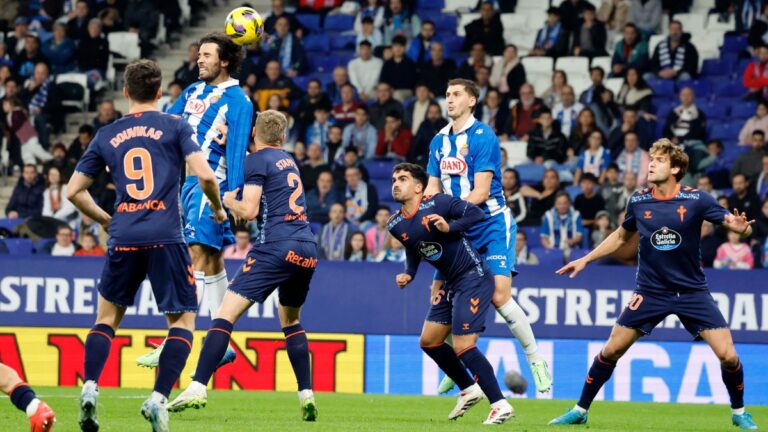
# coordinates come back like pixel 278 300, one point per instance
pixel 274 412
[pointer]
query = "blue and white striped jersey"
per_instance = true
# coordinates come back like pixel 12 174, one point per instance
pixel 455 158
pixel 205 107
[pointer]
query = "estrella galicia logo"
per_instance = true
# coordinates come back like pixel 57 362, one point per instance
pixel 430 251
pixel 666 239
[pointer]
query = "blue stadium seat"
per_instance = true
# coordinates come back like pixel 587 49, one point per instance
pixel 743 110
pixel 530 173
pixel 700 87
pixel 663 108
pixel 578 253
pixel 19 246
pixel 339 22
pixel 662 87
pixel 316 43
pixel 729 89
pixel 732 151
pixel 302 82
pixel 383 187
pixel 715 67
pixel 393 206
pixel 433 5
pixel 446 23
pixel 532 232
pixel 325 78
pixel 323 63
pixel 723 131
pixel 734 44
pixel 310 21
pixel 343 57
pixel 573 191
pixel 548 257
pixel 42 243
pixel 343 42
pixel 453 43
pixel 379 169
pixel 714 109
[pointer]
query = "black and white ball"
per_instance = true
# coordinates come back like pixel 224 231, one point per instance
pixel 515 382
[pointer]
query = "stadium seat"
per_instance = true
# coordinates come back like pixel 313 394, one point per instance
pixel 743 110
pixel 78 96
pixel 573 66
pixel 464 20
pixel 734 44
pixel 692 21
pixel 302 82
pixel 548 257
pixel 701 88
pixel 323 63
pixel 433 5
pixel 714 24
pixel 515 21
pixel 662 87
pixel 379 169
pixel 393 206
pixel 715 67
pixel 724 131
pixel 383 188
pixel 533 65
pixel 19 246
pixel 613 84
pixel 516 152
pixel 454 5
pixel 530 173
pixel 317 43
pixel 310 21
pixel 603 62
pixel 729 89
pixel 732 151
pixel 714 109
pixel 532 232
pixel 339 22
pixel 125 45
pixel 446 23
pixel 573 191
pixel 579 253
pixel 343 42
pixel 42 243
pixel 653 42
pixel 453 43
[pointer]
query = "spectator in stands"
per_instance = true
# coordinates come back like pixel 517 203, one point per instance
pixel 712 163
pixel 635 92
pixel 437 72
pixel 590 37
pixel 760 227
pixel 546 144
pixel 55 202
pixel 746 12
pixel 364 71
pixel 416 110
pixel 617 201
pixel 188 72
pixel 111 20
pixel 757 121
pixel 594 159
pixel 492 112
pixel 27 197
pixel 77 147
pixel 6 74
pixel 344 111
pixel 633 158
pixel 77 26
pixel 419 50
pixel 582 128
pixel 551 96
pixel 523 114
pixel 704 184
pixel 432 124
pixel 399 21
pixel 63 246
pixel 523 255
pixel 750 163
pixel 611 183
pixel 299 153
pixel 275 82
pixel 510 184
pixel 486 30
pixel 60 50
pixel 15 42
pixel 709 243
pixel 379 110
pixel 607 112
pixel 376 236
pixel 686 122
pixel 18 126
pixel 482 79
pixel 348 158
pixel 59 161
pixel 589 202
pixel 758 32
pixel 174 91
pixel 143 17
pixel 370 10
pixel 646 15
pixel 761 181
pixel 34 95
pixel 399 71
pixel 340 79
pixel 601 229
pixel 393 253
pixel 90 246
pixel 370 34
pixel 311 101
pixel 561 226
pixel 287 49
pixel 278 11
pixel 508 74
pixel 93 53
pixel 631 51
pixel 590 95
pixel 394 140
pixel 321 197
pixel 571 13
pixel 567 110
pixel 361 134
pixel 756 75
pixel 333 237
pixel 743 196
pixel 334 151
pixel 552 39
pixel 240 248
pixel 314 164
pixel 542 196
pixel 356 249
pixel 30 56
pixel 630 123
pixel 106 114
pixel 317 132
pixel 734 254
pixel 675 57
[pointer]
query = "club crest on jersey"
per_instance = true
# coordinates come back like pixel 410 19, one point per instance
pixel 464 151
pixel 430 251
pixel 666 239
pixel 195 107
pixel 453 165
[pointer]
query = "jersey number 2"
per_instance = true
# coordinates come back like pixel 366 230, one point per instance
pixel 144 173
pixel 295 182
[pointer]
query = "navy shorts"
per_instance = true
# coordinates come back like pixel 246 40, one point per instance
pixel 168 268
pixel 697 311
pixel 463 303
pixel 287 266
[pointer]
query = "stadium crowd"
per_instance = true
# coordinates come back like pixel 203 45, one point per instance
pixel 362 85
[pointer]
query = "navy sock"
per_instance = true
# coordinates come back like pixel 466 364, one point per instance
pixel 178 344
pixel 21 396
pixel 598 374
pixel 298 352
pixel 733 379
pixel 214 347
pixel 97 347
pixel 449 363
pixel 483 371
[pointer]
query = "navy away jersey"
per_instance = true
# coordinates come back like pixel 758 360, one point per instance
pixel 669 257
pixel 145 153
pixel 283 208
pixel 450 253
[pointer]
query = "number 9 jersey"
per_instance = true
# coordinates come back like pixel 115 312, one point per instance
pixel 144 153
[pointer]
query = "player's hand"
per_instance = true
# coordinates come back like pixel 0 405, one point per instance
pixel 220 215
pixel 230 197
pixel 403 279
pixel 439 222
pixel 573 267
pixel 738 222
pixel 224 130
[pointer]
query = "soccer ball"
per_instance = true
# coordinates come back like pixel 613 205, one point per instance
pixel 515 382
pixel 244 25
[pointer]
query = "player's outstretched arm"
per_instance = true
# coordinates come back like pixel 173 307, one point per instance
pixel 738 223
pixel 208 184
pixel 434 186
pixel 77 194
pixel 248 207
pixel 482 189
pixel 611 244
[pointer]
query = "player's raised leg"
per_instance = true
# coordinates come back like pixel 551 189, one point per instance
pixel 41 416
pixel 721 342
pixel 599 373
pixel 297 345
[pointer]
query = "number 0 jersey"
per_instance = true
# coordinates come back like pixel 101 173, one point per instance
pixel 282 210
pixel 144 152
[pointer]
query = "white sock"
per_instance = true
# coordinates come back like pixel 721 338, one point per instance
pixel 215 287
pixel 305 394
pixel 499 403
pixel 736 411
pixel 200 284
pixel 159 398
pixel 196 387
pixel 521 329
pixel 32 407
pixel 580 409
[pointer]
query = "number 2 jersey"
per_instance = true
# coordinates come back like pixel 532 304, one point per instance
pixel 282 210
pixel 669 255
pixel 144 153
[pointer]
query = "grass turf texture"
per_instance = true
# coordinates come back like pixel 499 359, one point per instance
pixel 238 411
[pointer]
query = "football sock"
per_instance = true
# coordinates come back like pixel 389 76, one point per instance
pixel 215 287
pixel 518 324
pixel 449 363
pixel 97 346
pixel 598 374
pixel 22 396
pixel 214 347
pixel 733 378
pixel 483 372
pixel 298 353
pixel 178 344
pixel 200 286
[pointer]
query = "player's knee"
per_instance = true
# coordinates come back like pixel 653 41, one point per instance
pixel 501 297
pixel 429 341
pixel 613 353
pixel 728 357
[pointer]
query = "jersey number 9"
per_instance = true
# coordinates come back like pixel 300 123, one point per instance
pixel 143 173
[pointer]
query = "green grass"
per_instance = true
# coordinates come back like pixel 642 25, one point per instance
pixel 276 412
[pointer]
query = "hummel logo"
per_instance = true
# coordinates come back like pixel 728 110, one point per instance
pixel 589 379
pixel 248 264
